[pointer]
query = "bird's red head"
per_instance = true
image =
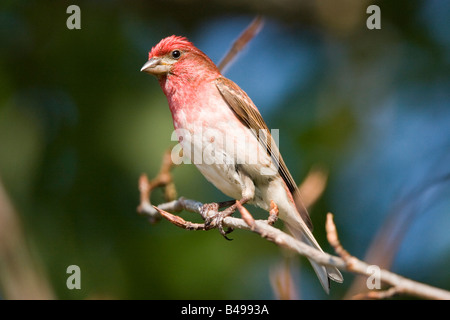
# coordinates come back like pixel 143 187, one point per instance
pixel 167 45
pixel 177 56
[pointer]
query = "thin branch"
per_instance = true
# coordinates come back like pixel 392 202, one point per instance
pixel 246 36
pixel 21 275
pixel 283 280
pixel 387 241
pixel 273 213
pixel 382 294
pixel 333 239
pixel 345 261
pixel 313 186
pixel 399 283
pixel 162 180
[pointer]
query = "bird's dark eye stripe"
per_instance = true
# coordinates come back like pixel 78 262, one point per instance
pixel 176 54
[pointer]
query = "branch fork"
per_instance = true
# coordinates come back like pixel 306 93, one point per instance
pixel 222 219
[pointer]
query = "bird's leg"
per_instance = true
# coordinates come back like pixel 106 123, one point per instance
pixel 214 218
pixel 210 209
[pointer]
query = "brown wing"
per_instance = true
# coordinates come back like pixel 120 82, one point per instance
pixel 245 110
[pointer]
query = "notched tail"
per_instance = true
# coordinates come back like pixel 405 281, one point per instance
pixel 325 273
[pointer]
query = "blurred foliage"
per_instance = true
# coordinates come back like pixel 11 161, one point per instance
pixel 79 123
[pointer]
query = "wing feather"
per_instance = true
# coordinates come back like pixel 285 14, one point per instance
pixel 245 110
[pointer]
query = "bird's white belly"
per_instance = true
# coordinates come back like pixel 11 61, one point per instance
pixel 210 151
pixel 223 177
pixel 223 150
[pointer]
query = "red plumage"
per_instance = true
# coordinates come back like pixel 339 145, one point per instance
pixel 168 44
pixel 210 111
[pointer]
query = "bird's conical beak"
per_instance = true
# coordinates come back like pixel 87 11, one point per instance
pixel 156 67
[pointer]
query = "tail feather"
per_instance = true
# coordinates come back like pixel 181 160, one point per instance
pixel 300 231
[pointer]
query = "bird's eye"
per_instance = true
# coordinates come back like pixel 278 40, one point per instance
pixel 176 54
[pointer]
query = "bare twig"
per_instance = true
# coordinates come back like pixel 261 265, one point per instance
pixel 273 213
pixel 386 243
pixel 344 262
pixel 313 185
pixel 333 239
pixel 248 218
pixel 180 222
pixel 162 180
pixel 246 36
pixel 21 276
pixel 399 284
pixel 282 279
pixel 382 294
pixel 261 227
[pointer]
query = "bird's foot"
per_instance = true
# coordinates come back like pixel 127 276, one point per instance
pixel 214 218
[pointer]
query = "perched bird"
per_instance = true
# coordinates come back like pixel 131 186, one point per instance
pixel 225 136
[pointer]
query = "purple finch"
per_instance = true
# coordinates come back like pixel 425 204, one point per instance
pixel 216 119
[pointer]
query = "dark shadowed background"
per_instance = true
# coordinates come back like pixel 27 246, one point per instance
pixel 79 123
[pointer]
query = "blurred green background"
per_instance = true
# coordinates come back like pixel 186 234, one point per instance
pixel 79 123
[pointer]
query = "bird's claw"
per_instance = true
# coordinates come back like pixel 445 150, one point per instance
pixel 214 218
